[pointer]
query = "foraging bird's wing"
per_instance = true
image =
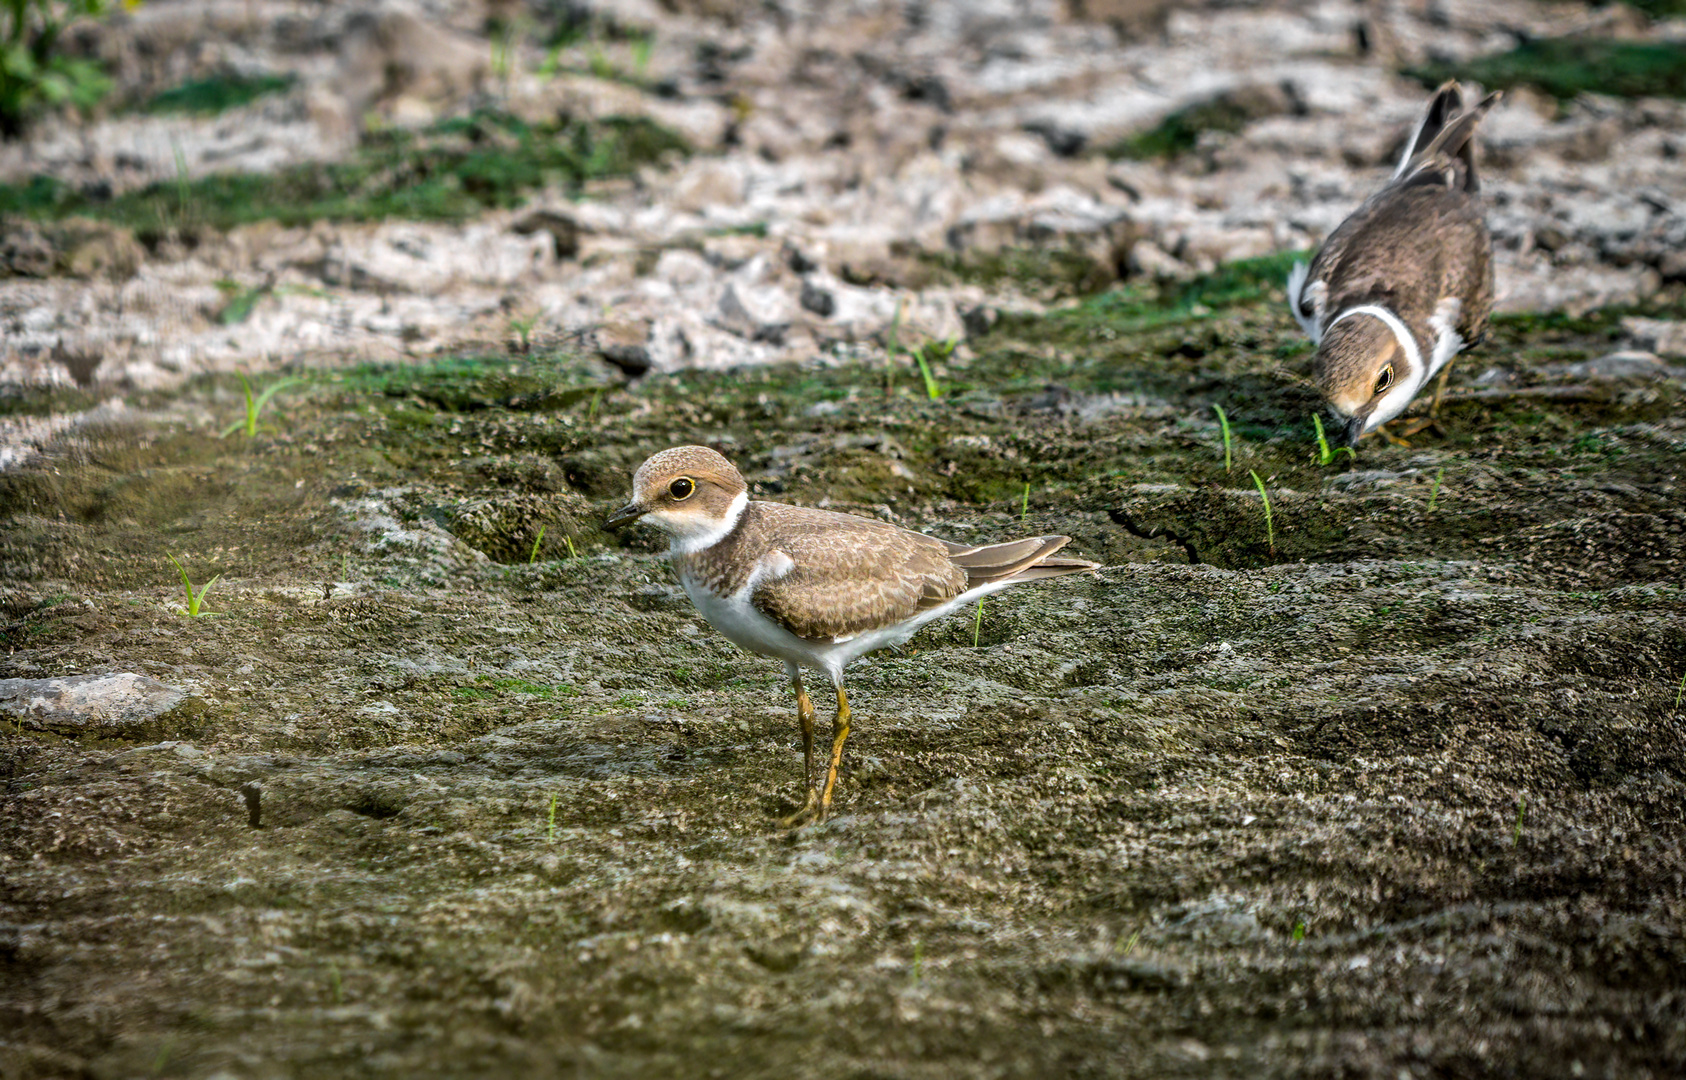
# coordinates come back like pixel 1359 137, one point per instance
pixel 1421 238
pixel 1408 248
pixel 848 575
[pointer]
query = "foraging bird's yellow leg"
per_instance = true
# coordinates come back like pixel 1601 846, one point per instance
pixel 805 713
pixel 1431 422
pixel 1392 438
pixel 842 733
pixel 1440 390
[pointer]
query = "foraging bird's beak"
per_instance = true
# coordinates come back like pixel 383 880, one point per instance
pixel 1354 431
pixel 626 515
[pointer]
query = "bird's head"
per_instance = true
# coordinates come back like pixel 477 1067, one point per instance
pixel 689 492
pixel 1366 373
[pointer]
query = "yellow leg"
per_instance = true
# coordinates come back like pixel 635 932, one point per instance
pixel 1440 390
pixel 1431 422
pixel 805 713
pixel 837 739
pixel 1392 438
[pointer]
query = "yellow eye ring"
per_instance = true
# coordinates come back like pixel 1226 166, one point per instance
pixel 682 489
pixel 1384 380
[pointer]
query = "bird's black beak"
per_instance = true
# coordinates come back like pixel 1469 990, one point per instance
pixel 626 515
pixel 1353 431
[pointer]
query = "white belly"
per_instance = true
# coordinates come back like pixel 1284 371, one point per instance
pixel 735 616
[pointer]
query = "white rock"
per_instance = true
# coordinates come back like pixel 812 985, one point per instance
pixel 77 703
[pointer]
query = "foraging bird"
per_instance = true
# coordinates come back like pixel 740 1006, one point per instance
pixel 1406 281
pixel 813 588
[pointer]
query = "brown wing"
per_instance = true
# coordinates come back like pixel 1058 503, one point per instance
pixel 1422 237
pixel 851 575
pixel 1408 248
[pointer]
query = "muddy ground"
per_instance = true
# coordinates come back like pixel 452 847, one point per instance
pixel 1391 789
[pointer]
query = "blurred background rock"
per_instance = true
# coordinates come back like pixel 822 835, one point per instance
pixel 704 183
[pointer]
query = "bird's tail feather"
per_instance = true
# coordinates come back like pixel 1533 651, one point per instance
pixel 1029 559
pixel 1446 102
pixel 1448 155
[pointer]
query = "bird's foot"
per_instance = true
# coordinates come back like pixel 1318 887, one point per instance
pixel 1429 423
pixel 1393 440
pixel 812 813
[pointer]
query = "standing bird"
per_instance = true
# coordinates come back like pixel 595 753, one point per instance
pixel 814 588
pixel 1406 281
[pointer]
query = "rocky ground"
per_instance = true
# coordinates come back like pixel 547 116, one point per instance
pixel 1371 766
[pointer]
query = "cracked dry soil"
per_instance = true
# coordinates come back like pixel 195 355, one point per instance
pixel 1394 792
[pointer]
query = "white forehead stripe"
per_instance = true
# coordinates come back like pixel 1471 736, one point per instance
pixel 1407 340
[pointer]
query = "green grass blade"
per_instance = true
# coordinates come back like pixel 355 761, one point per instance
pixel 932 390
pixel 198 601
pixel 271 390
pixel 892 345
pixel 185 583
pixel 1270 528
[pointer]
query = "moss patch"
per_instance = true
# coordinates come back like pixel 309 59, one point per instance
pixel 1565 67
pixel 1051 271
pixel 218 93
pixel 449 172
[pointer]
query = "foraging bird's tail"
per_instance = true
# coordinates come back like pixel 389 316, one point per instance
pixel 1442 150
pixel 1015 561
pixel 1447 101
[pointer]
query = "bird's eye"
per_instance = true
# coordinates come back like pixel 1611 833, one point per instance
pixel 1384 380
pixel 682 488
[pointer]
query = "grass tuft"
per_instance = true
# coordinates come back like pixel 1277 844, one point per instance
pixel 533 556
pixel 1325 454
pixel 194 598
pixel 522 328
pixel 254 405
